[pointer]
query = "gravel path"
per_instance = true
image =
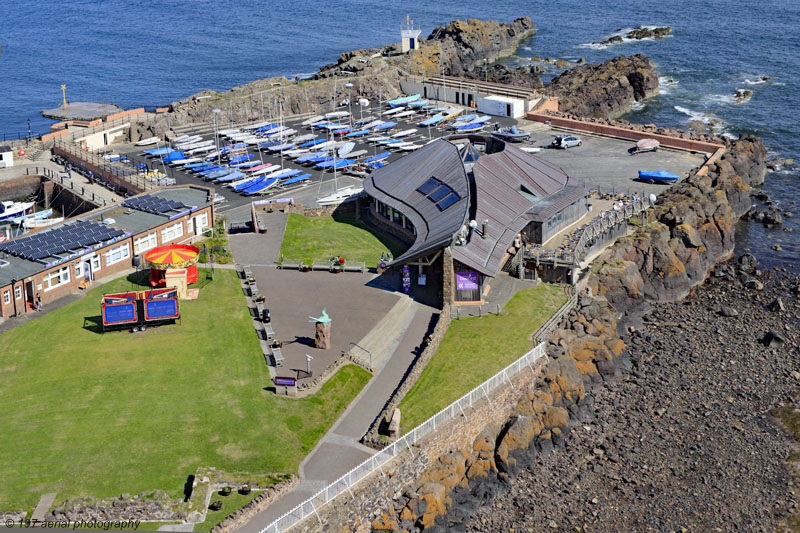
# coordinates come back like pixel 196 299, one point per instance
pixel 685 442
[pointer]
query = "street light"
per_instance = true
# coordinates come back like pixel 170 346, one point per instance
pixel 216 135
pixel 29 129
pixel 349 106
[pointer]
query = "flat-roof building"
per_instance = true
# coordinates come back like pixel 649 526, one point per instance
pixel 59 260
pixel 473 197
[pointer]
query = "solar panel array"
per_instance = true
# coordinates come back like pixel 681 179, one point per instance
pixel 63 239
pixel 440 194
pixel 154 204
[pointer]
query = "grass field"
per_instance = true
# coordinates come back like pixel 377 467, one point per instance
pixel 325 237
pixel 91 414
pixel 476 348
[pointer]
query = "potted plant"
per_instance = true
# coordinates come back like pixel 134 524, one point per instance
pixel 225 491
pixel 277 343
pixel 245 490
pixel 216 505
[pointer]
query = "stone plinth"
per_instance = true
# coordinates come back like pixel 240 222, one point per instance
pixel 322 338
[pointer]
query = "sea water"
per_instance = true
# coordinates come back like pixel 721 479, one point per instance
pixel 149 53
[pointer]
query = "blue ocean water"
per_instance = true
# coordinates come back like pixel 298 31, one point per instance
pixel 152 53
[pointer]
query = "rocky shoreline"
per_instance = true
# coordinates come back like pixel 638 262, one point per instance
pixel 684 441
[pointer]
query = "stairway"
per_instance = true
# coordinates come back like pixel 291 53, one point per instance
pixel 382 340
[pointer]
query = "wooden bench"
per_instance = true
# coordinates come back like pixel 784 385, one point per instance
pixel 321 264
pixel 259 309
pixel 247 272
pixel 277 356
pixel 355 266
pixel 290 263
pixel 269 332
pixel 265 349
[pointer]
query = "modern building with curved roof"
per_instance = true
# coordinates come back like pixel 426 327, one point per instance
pixel 475 196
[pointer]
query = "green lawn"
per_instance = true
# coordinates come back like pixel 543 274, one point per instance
pixel 325 237
pixel 230 503
pixel 91 414
pixel 476 348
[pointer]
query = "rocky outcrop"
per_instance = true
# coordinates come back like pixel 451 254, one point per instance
pixel 527 76
pixel 607 89
pixel 466 43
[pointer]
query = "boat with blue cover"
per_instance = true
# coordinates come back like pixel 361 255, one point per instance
pixel 397 102
pixel 658 176
pixel 297 179
pixel 378 157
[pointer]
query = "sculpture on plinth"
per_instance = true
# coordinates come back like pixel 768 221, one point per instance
pixel 322 336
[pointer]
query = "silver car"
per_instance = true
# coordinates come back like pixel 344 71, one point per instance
pixel 566 141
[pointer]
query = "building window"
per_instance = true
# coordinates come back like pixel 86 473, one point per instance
pixel 6 297
pixel 18 292
pixel 95 262
pixel 56 278
pixel 79 270
pixel 200 223
pixel 117 254
pixel 172 232
pixel 142 244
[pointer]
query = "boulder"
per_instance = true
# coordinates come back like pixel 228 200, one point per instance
pixel 605 90
pixel 772 340
pixel 748 262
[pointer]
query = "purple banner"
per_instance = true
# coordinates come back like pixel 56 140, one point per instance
pixel 467 281
pixel 285 381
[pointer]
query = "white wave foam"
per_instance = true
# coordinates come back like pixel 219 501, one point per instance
pixel 714 123
pixel 638 106
pixel 761 79
pixel 666 84
pixel 720 98
pixel 528 48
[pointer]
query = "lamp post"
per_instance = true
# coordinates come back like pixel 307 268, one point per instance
pixel 216 135
pixel 349 105
pixel 29 130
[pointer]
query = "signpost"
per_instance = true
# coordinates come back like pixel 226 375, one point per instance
pixel 288 383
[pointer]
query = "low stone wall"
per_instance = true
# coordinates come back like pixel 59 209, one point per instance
pixel 348 207
pixel 372 437
pixel 667 137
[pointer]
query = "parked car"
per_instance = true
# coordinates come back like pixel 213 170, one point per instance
pixel 565 141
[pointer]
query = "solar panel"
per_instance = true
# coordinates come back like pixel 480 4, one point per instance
pixel 440 193
pixel 448 200
pixel 429 186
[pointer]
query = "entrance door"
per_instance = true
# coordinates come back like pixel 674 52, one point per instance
pixel 86 268
pixel 30 295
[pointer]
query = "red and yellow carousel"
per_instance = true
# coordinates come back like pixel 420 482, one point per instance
pixel 173 265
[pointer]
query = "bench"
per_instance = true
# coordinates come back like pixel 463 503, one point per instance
pixel 290 263
pixel 265 349
pixel 269 332
pixel 355 266
pixel 259 309
pixel 321 264
pixel 277 356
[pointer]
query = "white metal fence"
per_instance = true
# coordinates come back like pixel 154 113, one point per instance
pixel 344 483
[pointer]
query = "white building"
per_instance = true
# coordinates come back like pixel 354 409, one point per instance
pixel 6 157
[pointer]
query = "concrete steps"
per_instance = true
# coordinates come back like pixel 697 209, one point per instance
pixel 380 343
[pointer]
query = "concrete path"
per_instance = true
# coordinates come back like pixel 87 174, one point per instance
pixel 257 249
pixel 43 506
pixel 339 451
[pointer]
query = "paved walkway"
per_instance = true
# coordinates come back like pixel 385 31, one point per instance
pixel 339 451
pixel 43 506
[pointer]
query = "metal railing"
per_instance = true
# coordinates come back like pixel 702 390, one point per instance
pixel 65 182
pixel 119 171
pixel 376 462
pixel 543 333
pixel 21 136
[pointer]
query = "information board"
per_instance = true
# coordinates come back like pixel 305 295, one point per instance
pixel 161 309
pixel 406 279
pixel 285 381
pixel 467 281
pixel 119 313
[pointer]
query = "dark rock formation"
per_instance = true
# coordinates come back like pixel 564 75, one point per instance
pixel 466 43
pixel 607 89
pixel 497 73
